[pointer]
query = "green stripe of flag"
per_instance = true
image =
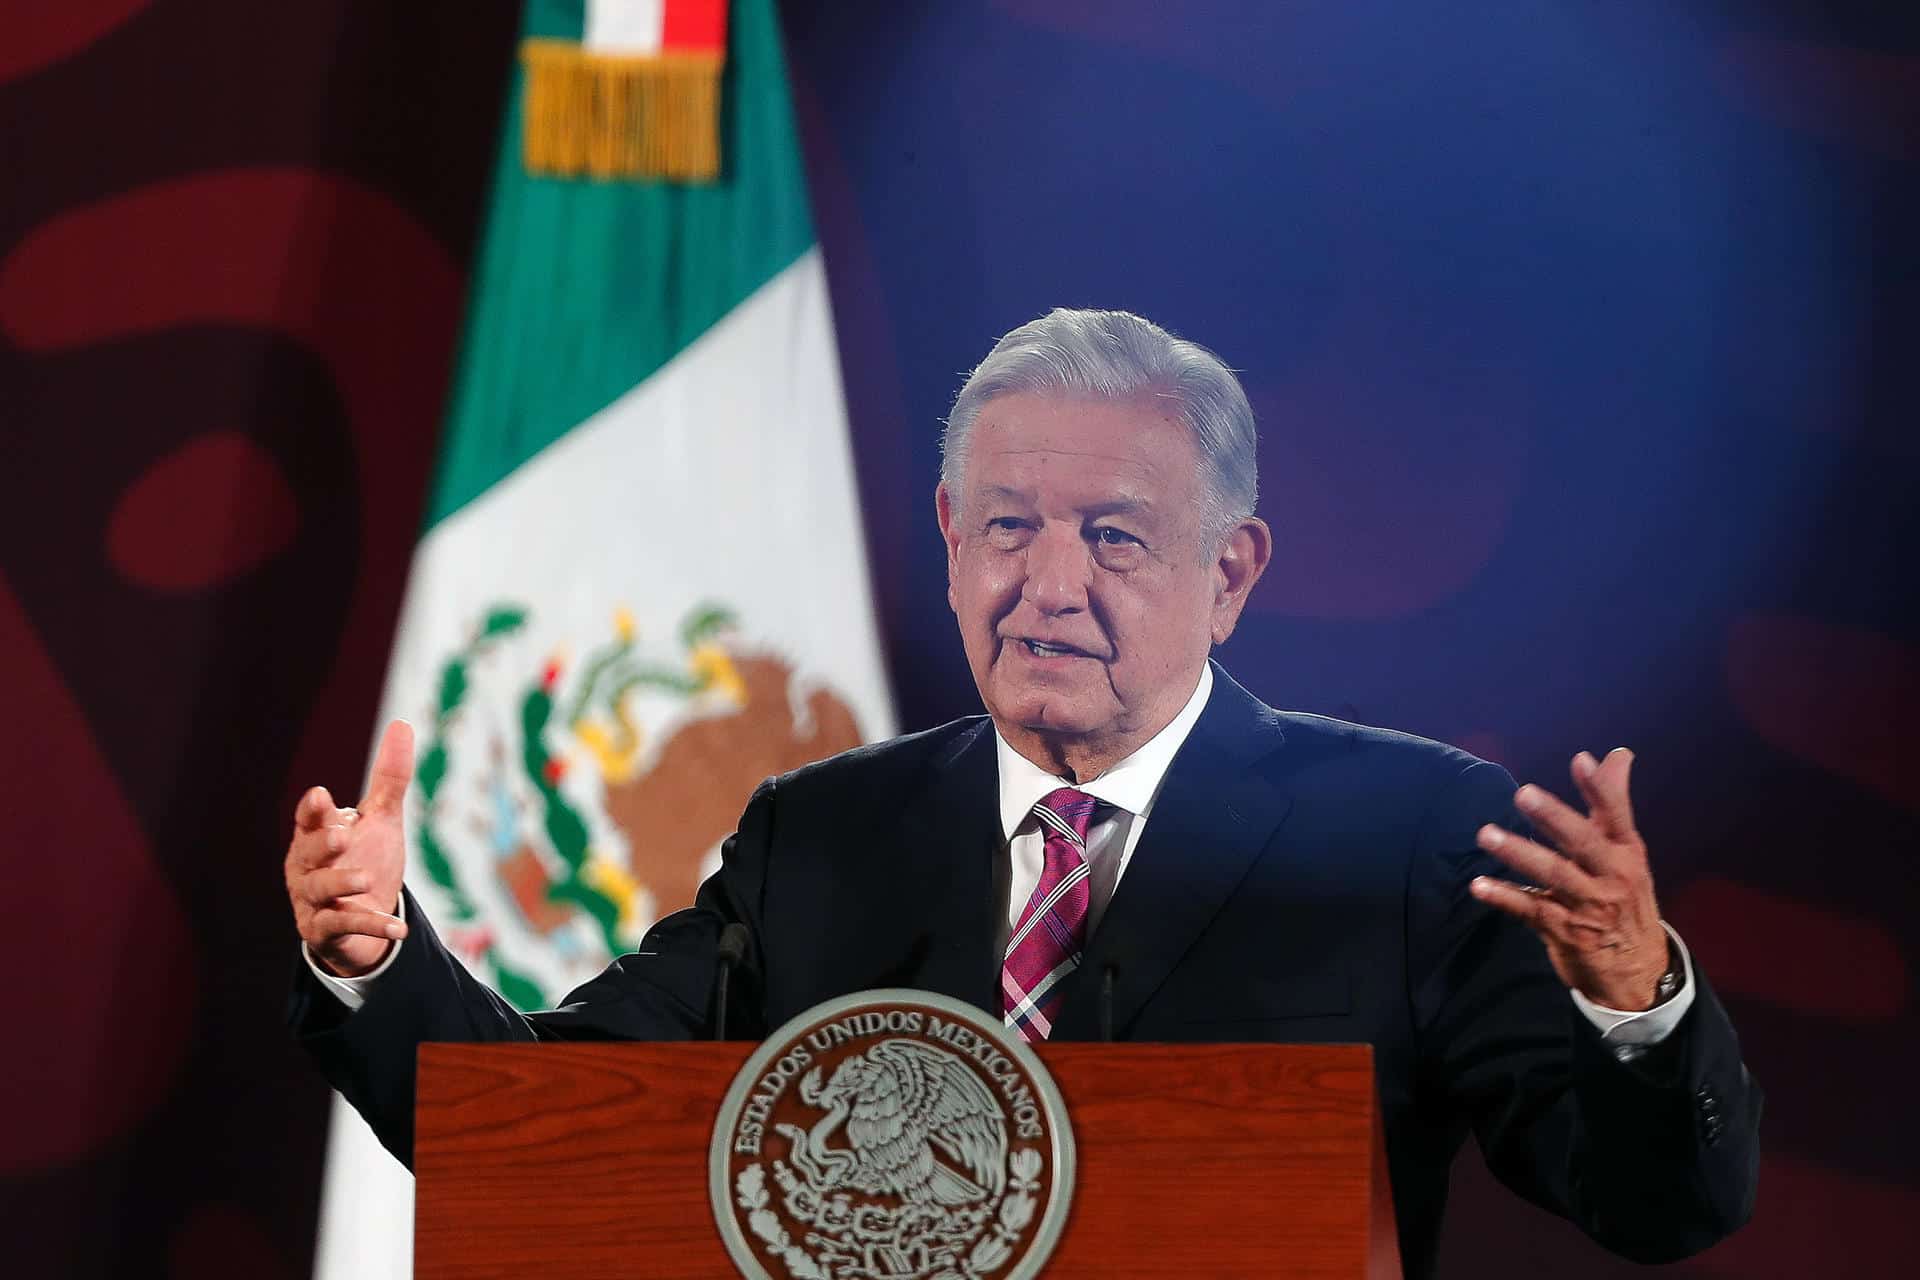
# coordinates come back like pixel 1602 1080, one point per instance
pixel 583 289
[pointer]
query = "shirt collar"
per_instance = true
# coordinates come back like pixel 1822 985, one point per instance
pixel 1132 784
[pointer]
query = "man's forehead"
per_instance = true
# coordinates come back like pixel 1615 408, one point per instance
pixel 1059 416
pixel 1139 442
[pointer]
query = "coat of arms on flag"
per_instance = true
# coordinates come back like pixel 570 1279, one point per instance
pixel 562 805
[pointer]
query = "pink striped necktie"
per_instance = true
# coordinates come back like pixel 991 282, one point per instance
pixel 1046 944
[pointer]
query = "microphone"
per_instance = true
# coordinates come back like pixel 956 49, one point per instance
pixel 730 951
pixel 1107 975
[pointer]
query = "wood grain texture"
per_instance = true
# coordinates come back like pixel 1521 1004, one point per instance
pixel 591 1160
pixel 1217 1160
pixel 577 1160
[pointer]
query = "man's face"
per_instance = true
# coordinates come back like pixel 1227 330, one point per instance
pixel 1075 569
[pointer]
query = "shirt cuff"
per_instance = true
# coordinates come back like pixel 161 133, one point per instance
pixel 353 992
pixel 1628 1033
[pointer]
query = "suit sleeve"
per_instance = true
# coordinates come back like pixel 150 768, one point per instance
pixel 1654 1158
pixel 661 991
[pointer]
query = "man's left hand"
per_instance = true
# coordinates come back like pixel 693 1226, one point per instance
pixel 1592 901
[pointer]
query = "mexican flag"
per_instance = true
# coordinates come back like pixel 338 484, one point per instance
pixel 641 587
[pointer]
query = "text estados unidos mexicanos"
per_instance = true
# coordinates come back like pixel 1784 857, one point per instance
pixel 962 1039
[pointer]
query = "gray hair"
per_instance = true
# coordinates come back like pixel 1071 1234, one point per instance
pixel 1116 355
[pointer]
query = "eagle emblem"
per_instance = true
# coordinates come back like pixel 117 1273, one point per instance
pixel 919 1126
pixel 893 1135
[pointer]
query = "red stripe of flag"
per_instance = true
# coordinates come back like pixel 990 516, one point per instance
pixel 694 26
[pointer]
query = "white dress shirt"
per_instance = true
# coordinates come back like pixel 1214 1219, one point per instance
pixel 1127 791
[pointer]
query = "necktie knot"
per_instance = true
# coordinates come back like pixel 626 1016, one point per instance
pixel 1066 812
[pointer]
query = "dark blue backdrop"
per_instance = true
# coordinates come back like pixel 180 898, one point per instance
pixel 1578 334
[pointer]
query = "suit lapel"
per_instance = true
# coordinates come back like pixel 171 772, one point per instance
pixel 1214 814
pixel 950 830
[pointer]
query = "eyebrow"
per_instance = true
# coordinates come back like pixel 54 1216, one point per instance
pixel 1119 506
pixel 1002 493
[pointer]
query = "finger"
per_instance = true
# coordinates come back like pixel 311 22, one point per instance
pixel 318 848
pixel 1610 799
pixel 313 811
pixel 1571 831
pixel 339 922
pixel 312 849
pixel 328 884
pixel 1534 909
pixel 1601 809
pixel 392 770
pixel 1536 862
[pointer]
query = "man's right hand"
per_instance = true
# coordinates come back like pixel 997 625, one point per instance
pixel 344 865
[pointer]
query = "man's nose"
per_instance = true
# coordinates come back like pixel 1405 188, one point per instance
pixel 1057 571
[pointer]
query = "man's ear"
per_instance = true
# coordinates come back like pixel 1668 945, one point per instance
pixel 1243 557
pixel 949 534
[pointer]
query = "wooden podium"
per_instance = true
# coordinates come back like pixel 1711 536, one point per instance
pixel 590 1160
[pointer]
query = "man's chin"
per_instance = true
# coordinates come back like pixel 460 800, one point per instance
pixel 1052 710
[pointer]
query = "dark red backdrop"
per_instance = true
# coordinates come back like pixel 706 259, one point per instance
pixel 1583 344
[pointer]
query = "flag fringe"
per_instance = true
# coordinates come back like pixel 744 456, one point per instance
pixel 602 115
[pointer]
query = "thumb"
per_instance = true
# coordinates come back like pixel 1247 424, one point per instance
pixel 392 770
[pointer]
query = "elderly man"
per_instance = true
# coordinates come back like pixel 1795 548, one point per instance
pixel 1238 872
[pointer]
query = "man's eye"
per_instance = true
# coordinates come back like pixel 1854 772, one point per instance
pixel 1108 536
pixel 1008 531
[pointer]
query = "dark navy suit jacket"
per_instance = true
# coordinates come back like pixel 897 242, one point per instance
pixel 1301 879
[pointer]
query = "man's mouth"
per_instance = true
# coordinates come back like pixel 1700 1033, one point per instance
pixel 1041 649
